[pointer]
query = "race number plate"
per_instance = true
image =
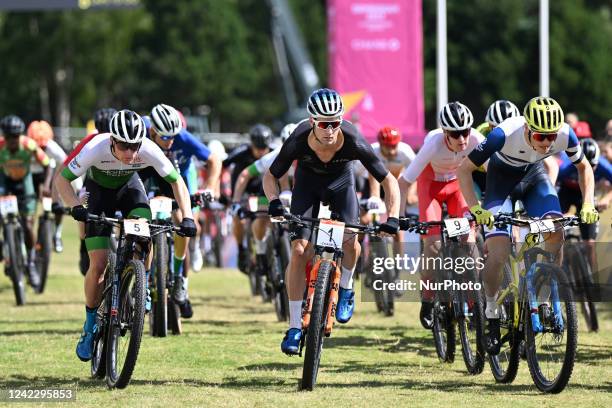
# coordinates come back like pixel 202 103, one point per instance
pixel 253 203
pixel 330 233
pixel 138 227
pixel 47 203
pixel 539 226
pixel 8 205
pixel 457 226
pixel 160 205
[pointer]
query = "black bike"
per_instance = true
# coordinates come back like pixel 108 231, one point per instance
pixel 44 242
pixel 13 246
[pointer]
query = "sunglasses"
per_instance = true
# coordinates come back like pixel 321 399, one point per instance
pixel 540 137
pixel 166 138
pixel 124 146
pixel 456 134
pixel 325 124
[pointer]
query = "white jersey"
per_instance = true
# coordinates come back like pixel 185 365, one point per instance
pixel 263 164
pixel 405 155
pixel 435 152
pixel 56 155
pixel 97 159
pixel 508 143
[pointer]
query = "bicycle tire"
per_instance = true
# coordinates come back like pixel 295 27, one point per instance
pixel 44 248
pixel 174 317
pixel 15 264
pixel 133 271
pixel 98 360
pixel 581 270
pixel 217 242
pixel 444 332
pixel 473 358
pixel 281 298
pixel 504 366
pixel 158 317
pixel 316 328
pixel 540 379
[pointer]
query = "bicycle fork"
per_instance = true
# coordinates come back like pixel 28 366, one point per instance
pixel 534 309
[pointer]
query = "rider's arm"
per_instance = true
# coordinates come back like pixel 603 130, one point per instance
pixel 586 179
pixel 466 183
pixel 279 167
pixel 374 186
pixel 181 194
pixel 404 187
pixel 203 153
pixel 552 169
pixel 242 181
pixel 270 186
pixel 214 172
pixel 392 195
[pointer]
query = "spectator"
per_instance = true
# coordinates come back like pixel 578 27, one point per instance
pixel 608 132
pixel 571 119
pixel 582 129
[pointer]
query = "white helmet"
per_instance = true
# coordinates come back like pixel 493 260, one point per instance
pixel 217 148
pixel 127 126
pixel 166 120
pixel 455 116
pixel 325 103
pixel 286 131
pixel 501 110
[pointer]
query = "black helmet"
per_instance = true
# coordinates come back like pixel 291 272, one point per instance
pixel 591 151
pixel 102 119
pixel 12 125
pixel 261 136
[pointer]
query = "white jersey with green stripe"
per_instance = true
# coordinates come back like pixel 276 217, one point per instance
pixel 97 160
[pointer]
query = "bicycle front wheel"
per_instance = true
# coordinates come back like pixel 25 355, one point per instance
pixel 98 361
pixel 158 317
pixel 551 347
pixel 43 250
pixel 444 331
pixel 124 338
pixel 316 328
pixel 471 329
pixel 14 263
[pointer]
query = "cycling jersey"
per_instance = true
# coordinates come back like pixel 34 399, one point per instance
pixel 405 155
pixel 97 159
pixel 260 166
pixel 443 161
pixel 56 155
pixel 516 165
pixel 16 165
pixel 79 147
pixel 241 157
pixel 568 174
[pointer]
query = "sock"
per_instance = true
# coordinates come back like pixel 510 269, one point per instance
pixel 178 266
pixel 346 278
pixel 58 230
pixel 492 311
pixel 186 283
pixel 295 314
pixel 90 318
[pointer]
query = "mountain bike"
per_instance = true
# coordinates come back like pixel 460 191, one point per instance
pixel 13 246
pixel 536 309
pixel 576 262
pixel 217 232
pixel 44 242
pixel 452 308
pixel 120 319
pixel 323 283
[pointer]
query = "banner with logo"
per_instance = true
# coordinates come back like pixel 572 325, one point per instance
pixel 376 63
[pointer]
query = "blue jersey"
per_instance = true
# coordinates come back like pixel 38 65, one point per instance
pixel 185 146
pixel 568 174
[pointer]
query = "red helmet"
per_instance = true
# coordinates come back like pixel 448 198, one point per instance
pixel 389 136
pixel 41 132
pixel 582 129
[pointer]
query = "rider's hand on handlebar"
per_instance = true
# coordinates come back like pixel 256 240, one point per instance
pixel 482 216
pixel 188 228
pixel 588 214
pixel 374 203
pixel 79 213
pixel 276 208
pixel 391 226
pixel 236 210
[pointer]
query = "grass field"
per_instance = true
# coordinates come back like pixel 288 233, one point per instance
pixel 229 355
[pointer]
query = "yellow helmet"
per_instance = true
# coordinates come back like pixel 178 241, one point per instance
pixel 543 114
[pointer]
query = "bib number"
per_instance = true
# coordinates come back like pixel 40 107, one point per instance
pixel 138 227
pixel 8 205
pixel 160 205
pixel 47 203
pixel 540 226
pixel 330 233
pixel 457 226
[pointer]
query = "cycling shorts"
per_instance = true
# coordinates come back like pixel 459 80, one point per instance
pixel 130 199
pixel 23 189
pixel 432 194
pixel 310 190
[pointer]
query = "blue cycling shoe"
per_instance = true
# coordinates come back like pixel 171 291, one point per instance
pixel 148 301
pixel 346 305
pixel 291 342
pixel 84 348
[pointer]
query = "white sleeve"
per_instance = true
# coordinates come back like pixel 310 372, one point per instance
pixel 421 160
pixel 84 160
pixel 264 163
pixel 55 152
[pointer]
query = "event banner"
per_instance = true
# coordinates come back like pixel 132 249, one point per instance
pixel 376 63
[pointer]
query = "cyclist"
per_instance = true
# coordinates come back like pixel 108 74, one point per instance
pixel 435 171
pixel 42 133
pixel 515 150
pixel 111 161
pixel 569 190
pixel 165 128
pixel 259 167
pixel 16 153
pixel 324 147
pixel 240 158
pixel 102 119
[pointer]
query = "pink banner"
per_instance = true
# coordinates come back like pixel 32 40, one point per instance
pixel 376 63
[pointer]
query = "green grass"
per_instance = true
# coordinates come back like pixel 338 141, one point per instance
pixel 229 355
